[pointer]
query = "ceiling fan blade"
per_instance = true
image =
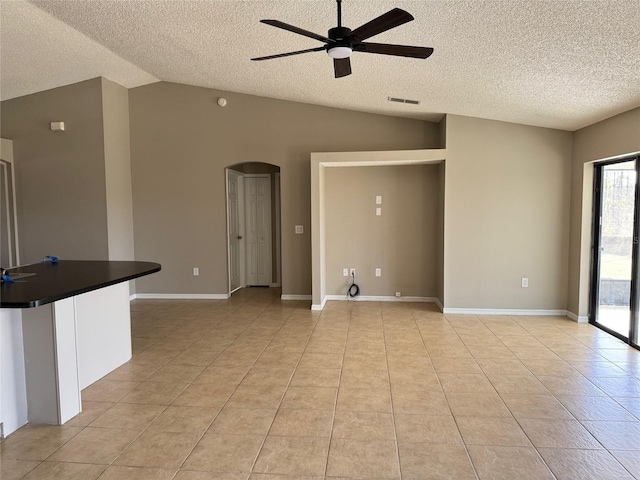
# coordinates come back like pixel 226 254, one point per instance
pixel 299 31
pixel 317 49
pixel 342 67
pixel 391 19
pixel 398 50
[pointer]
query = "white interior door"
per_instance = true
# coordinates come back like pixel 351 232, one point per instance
pixel 258 229
pixel 235 216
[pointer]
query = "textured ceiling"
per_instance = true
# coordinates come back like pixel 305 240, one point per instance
pixel 561 64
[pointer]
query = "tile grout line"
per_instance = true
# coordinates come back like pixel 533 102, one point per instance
pixel 393 415
pixel 553 475
pixel 167 406
pixel 554 397
pixel 466 449
pixel 255 460
pixel 187 386
pixel 335 405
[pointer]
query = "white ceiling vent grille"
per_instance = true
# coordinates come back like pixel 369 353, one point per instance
pixel 403 100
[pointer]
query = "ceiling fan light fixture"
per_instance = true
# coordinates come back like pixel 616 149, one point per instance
pixel 340 52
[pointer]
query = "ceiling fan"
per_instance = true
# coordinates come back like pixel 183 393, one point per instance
pixel 341 41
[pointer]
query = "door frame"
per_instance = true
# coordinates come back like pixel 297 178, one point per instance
pixel 241 226
pixel 11 207
pixel 278 214
pixel 594 290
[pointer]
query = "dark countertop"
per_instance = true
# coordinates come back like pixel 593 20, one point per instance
pixel 68 278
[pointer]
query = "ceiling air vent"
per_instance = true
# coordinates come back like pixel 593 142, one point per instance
pixel 403 100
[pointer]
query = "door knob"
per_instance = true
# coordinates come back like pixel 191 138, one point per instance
pixel 239 237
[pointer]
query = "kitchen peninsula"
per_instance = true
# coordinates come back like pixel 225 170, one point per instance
pixel 76 328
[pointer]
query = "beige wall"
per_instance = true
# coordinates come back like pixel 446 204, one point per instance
pixel 616 136
pixel 506 197
pixel 181 142
pixel 402 241
pixel 60 176
pixel 115 107
pixel 506 215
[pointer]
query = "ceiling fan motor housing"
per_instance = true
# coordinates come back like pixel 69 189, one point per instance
pixel 342 47
pixel 342 37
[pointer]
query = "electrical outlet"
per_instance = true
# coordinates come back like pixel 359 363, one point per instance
pixel 299 229
pixel 524 282
pixel 398 294
pixel 352 272
pixel 196 271
pixel 378 211
pixel 378 272
pixel 345 272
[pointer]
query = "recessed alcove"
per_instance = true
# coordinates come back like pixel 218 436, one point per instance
pixel 319 194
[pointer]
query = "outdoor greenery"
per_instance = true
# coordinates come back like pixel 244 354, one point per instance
pixel 618 195
pixel 615 267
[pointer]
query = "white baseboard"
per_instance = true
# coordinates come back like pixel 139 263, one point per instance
pixel 502 311
pixel 371 298
pixel 578 318
pixel 381 298
pixel 295 297
pixel 182 296
pixel 319 308
pixel 132 297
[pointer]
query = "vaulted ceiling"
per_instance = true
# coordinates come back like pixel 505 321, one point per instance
pixel 560 63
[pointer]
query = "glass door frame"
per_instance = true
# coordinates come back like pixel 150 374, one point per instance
pixel 634 301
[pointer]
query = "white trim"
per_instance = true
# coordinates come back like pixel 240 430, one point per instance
pixel 319 308
pixel 381 298
pixel 276 181
pixel 503 311
pixel 578 318
pixel 183 296
pixel 132 297
pixel 226 198
pixel 236 289
pixel 295 297
pixel 439 304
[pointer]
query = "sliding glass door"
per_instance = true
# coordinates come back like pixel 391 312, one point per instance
pixel 614 295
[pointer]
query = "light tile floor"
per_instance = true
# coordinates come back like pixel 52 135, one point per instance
pixel 257 389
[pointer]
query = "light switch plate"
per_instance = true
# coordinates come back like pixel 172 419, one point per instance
pixel 378 272
pixel 299 229
pixel 378 199
pixel 378 211
pixel 525 282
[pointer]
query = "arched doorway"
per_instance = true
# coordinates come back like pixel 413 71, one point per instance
pixel 253 225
